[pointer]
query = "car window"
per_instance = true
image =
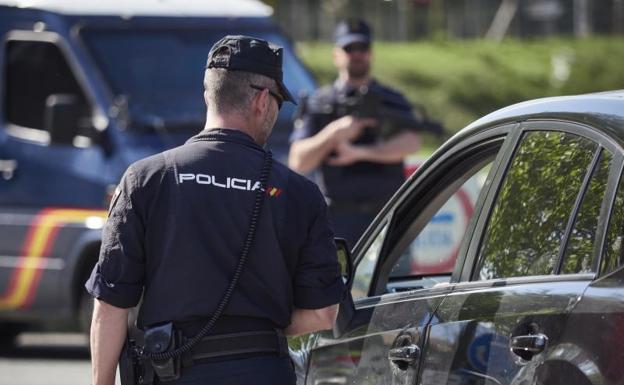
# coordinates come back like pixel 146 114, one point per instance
pixel 35 72
pixel 431 222
pixel 534 204
pixel 366 266
pixel 431 255
pixel 613 253
pixel 580 247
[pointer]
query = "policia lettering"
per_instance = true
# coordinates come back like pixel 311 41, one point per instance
pixel 164 346
pixel 228 183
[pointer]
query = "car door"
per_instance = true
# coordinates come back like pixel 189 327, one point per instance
pixel 531 257
pixel 400 280
pixel 590 351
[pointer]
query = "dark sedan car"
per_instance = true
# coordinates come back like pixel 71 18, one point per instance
pixel 533 291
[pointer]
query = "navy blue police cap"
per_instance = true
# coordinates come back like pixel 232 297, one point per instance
pixel 351 31
pixel 250 54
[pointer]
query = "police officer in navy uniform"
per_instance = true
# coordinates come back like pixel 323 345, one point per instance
pixel 178 222
pixel 359 170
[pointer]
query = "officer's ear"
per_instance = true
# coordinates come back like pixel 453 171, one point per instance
pixel 260 102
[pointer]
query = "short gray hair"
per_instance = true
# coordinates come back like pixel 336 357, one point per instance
pixel 230 91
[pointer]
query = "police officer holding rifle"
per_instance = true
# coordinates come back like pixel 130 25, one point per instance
pixel 357 133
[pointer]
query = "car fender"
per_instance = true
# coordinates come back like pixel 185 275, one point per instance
pixel 578 358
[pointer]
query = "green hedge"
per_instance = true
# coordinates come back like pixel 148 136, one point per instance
pixel 459 81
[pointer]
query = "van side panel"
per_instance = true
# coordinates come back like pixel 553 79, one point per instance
pixel 39 268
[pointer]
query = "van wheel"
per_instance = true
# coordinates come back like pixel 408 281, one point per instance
pixel 8 334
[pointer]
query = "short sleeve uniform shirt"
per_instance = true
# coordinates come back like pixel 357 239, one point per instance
pixel 177 225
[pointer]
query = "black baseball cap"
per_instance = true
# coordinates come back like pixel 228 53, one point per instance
pixel 351 31
pixel 246 53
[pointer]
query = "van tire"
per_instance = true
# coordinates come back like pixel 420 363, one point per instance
pixel 8 334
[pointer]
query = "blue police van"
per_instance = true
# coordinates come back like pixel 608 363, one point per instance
pixel 87 88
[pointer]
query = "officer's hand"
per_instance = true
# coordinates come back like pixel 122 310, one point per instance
pixel 346 154
pixel 349 128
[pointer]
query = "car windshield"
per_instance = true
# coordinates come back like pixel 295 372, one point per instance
pixel 156 75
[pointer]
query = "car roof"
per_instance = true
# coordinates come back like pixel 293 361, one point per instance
pixel 169 8
pixel 602 110
pixel 595 106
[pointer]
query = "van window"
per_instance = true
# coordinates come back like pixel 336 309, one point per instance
pixel 35 71
pixel 159 73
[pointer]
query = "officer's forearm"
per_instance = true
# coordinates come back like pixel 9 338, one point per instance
pixel 303 321
pixel 108 332
pixel 307 154
pixel 393 150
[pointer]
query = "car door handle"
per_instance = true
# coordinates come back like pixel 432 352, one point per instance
pixel 528 346
pixel 404 355
pixel 7 168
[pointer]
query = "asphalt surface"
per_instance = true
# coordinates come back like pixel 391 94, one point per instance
pixel 47 359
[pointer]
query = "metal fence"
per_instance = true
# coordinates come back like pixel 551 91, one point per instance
pixel 401 20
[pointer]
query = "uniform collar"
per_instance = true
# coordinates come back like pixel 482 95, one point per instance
pixel 225 135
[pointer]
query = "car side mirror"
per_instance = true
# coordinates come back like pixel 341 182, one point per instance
pixel 61 118
pixel 346 309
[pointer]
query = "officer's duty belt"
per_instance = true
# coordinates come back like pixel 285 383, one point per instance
pixel 242 343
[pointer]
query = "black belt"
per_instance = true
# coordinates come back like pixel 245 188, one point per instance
pixel 253 342
pixel 225 325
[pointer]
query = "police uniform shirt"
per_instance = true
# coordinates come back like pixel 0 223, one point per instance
pixel 176 228
pixel 362 182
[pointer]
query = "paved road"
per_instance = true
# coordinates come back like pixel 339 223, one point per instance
pixel 47 359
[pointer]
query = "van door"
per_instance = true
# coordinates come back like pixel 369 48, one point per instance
pixel 48 147
pixel 49 159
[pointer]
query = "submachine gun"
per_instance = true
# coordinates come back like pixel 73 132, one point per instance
pixel 365 102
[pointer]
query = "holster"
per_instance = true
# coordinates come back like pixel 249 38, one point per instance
pixel 162 339
pixel 132 366
pixel 136 367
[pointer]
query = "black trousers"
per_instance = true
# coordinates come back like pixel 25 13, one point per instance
pixel 259 370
